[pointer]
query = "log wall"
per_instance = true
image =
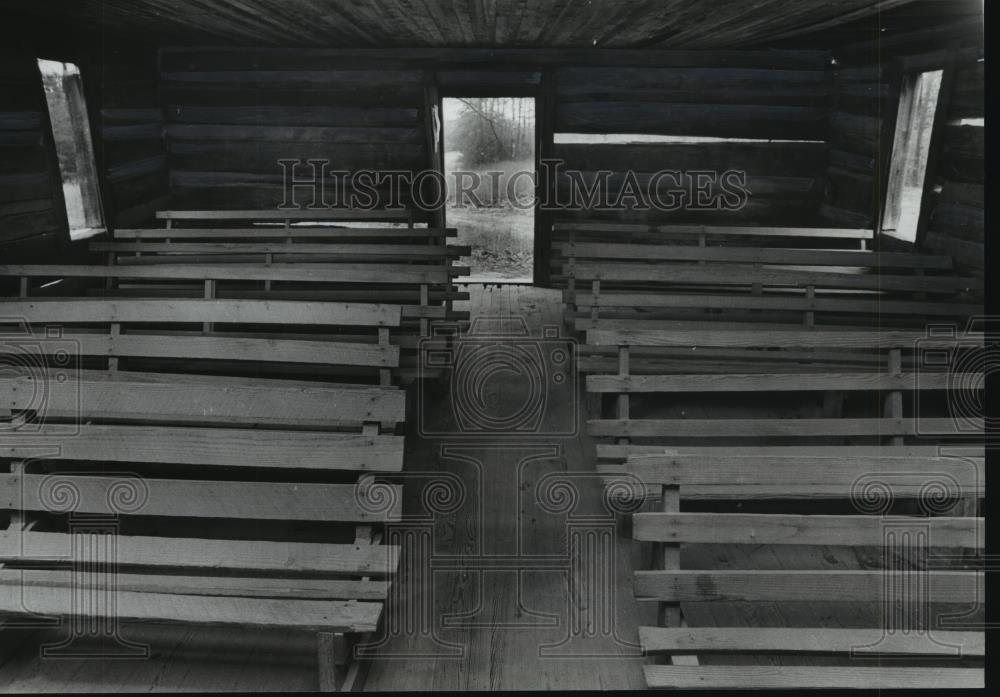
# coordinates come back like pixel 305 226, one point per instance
pixel 232 117
pixel 862 124
pixel 32 219
pixel 120 84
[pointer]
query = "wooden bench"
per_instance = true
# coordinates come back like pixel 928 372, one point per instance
pixel 759 284
pixel 760 521
pixel 359 336
pixel 874 365
pixel 797 650
pixel 237 501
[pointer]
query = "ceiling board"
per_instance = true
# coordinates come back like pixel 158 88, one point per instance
pixel 688 24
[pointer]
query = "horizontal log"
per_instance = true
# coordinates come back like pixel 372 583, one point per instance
pixel 226 348
pixel 722 121
pixel 276 312
pixel 189 159
pixel 790 382
pixel 791 640
pixel 789 585
pixel 296 214
pixel 226 447
pixel 811 677
pixel 828 339
pixel 869 305
pixel 418 252
pixel 310 615
pixel 282 558
pixel 198 400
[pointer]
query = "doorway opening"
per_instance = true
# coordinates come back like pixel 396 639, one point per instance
pixel 918 101
pixel 490 168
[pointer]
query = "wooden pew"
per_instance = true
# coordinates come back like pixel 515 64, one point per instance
pixel 383 248
pixel 228 500
pixel 874 364
pixel 803 657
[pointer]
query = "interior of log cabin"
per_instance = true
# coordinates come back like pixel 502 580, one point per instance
pixel 296 395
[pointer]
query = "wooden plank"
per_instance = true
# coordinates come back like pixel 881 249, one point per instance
pixel 365 251
pixel 811 677
pixel 753 255
pixel 828 339
pixel 789 585
pixel 787 382
pixel 202 400
pixel 311 273
pixel 311 615
pixel 227 447
pixel 203 499
pixel 737 274
pixel 265 311
pixel 790 640
pixel 178 584
pixel 296 232
pixel 774 529
pixel 326 215
pixel 778 428
pixel 283 558
pixel 223 348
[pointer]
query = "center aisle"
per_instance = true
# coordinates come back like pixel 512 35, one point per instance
pixel 508 545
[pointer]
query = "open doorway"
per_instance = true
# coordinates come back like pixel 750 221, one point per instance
pixel 489 146
pixel 910 152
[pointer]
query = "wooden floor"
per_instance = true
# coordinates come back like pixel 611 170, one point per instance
pixel 496 628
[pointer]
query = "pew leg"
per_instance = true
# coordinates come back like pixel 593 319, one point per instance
pixel 333 653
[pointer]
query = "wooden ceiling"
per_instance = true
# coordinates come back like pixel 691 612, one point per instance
pixel 454 23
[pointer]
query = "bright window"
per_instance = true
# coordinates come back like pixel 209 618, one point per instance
pixel 918 101
pixel 71 134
